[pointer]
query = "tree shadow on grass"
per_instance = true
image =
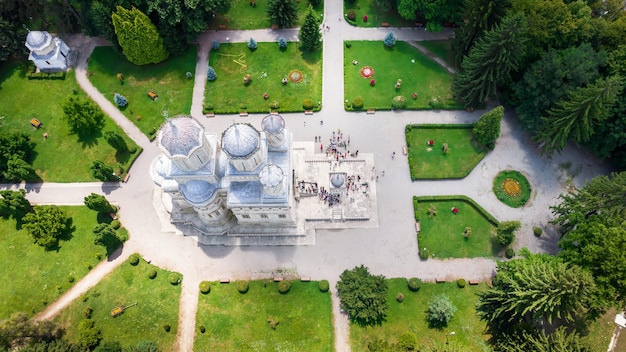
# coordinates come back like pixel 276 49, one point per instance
pixel 88 139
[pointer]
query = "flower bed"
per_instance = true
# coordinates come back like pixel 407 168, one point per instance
pixel 367 72
pixel 512 188
pixel 296 76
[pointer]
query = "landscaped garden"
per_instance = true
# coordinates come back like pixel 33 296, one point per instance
pixel 282 80
pixel 243 15
pixel 151 306
pixel 409 316
pixel 376 74
pixel 33 276
pixel 262 319
pixel 512 188
pixel 168 80
pixel 442 151
pixel 454 227
pixel 62 156
pixel 365 13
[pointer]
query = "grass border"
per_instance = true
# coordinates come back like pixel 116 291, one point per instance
pixel 416 200
pixel 513 202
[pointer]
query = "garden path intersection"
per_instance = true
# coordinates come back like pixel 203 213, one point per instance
pixel 390 249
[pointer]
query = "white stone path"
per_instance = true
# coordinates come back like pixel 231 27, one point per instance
pixel 390 250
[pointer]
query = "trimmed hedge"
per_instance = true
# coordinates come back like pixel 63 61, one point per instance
pixel 174 279
pixel 510 253
pixel 134 259
pixel 243 286
pixel 466 199
pixel 284 286
pixel 537 231
pixel 414 284
pixel 205 287
pixel 400 297
pixel 461 283
pixel 152 274
pixel 324 285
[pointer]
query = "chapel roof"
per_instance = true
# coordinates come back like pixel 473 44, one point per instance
pixel 273 124
pixel 37 39
pixel 180 136
pixel 240 140
pixel 271 175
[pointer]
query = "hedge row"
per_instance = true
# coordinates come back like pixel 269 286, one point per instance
pixel 438 126
pixel 466 199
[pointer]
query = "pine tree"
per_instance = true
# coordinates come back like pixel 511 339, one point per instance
pixel 283 13
pixel 576 117
pixel 252 45
pixel 138 37
pixel 120 100
pixel 210 74
pixel 390 39
pixel 309 32
pixel 491 62
pixel 487 129
pixel 282 42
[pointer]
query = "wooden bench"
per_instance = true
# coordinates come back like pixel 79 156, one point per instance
pixel 274 26
pixel 417 227
pixel 308 112
pixel 474 282
pixel 384 24
pixel 224 281
pixel 210 114
pixel 404 150
pixel 153 95
pixel 305 279
pixel 221 27
pixel 371 111
pixel 243 114
pixel 278 278
pixel 35 123
pixel 440 280
pixel 126 177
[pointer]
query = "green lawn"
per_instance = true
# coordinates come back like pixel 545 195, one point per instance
pixel 62 157
pixel 239 322
pixel 419 74
pixel 33 277
pixel 601 331
pixel 157 304
pixel 409 315
pixel 375 16
pixel 441 48
pixel 243 16
pixel 443 234
pixel 268 66
pixel 430 162
pixel 167 79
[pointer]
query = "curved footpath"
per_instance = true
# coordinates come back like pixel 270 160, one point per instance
pixel 390 250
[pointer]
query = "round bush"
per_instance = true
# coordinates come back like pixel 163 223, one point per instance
pixel 324 285
pixel 307 104
pixel 87 311
pixel 174 279
pixel 115 224
pixel 205 287
pixel 407 342
pixel 134 259
pixel 510 253
pixel 202 329
pixel 348 45
pixel 399 102
pixel 132 150
pixel 537 231
pixel 461 283
pixel 284 286
pixel 424 253
pixel 167 327
pixel 152 274
pixel 215 45
pixel 400 297
pixel 274 105
pixel 351 15
pixel 243 286
pixel 357 103
pixel 70 279
pixel 414 284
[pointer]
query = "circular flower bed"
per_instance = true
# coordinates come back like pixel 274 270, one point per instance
pixel 512 188
pixel 367 72
pixel 296 76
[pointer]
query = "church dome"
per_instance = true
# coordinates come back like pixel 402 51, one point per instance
pixel 337 180
pixel 36 39
pixel 196 191
pixel 273 124
pixel 240 140
pixel 271 175
pixel 180 136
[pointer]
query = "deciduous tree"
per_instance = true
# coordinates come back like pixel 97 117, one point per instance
pixel 140 41
pixel 440 311
pixel 99 203
pixel 363 295
pixel 82 115
pixel 47 224
pixel 14 203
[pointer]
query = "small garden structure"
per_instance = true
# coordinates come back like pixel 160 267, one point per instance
pixel 233 321
pixel 512 188
pixel 409 315
pixel 428 158
pixel 366 60
pixel 444 233
pixel 267 67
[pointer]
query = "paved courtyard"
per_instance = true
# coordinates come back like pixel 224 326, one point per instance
pixel 387 247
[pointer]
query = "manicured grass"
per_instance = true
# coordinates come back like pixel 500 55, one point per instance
pixel 409 315
pixel 33 277
pixel 167 79
pixel 157 304
pixel 375 15
pixel 419 74
pixel 512 188
pixel 239 322
pixel 430 162
pixel 443 234
pixel 243 16
pixel 601 331
pixel 440 48
pixel 268 66
pixel 62 157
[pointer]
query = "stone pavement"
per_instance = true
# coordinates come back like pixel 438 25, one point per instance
pixel 390 249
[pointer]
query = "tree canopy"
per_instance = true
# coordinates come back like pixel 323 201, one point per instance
pixel 82 115
pixel 47 224
pixel 363 295
pixel 14 203
pixel 487 129
pixel 16 150
pixel 98 203
pixel 138 37
pixel 283 13
pixel 309 32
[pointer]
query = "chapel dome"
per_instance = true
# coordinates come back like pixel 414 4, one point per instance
pixel 196 191
pixel 271 175
pixel 180 136
pixel 273 124
pixel 240 140
pixel 36 39
pixel 337 180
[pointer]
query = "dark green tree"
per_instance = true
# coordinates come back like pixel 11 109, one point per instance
pixel 559 340
pixel 82 115
pixel 487 129
pixel 53 346
pixel 109 346
pixel 103 172
pixel 385 5
pixel 88 334
pixel 116 141
pixel 576 118
pixel 363 295
pixel 140 41
pixel 506 232
pixel 17 331
pixel 283 13
pixel 437 12
pixel 47 224
pixel 99 203
pixel 309 32
pixel 104 235
pixel 14 204
pixel 19 170
pixel 14 145
pixel 491 62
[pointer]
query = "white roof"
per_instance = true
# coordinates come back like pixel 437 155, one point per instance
pixel 240 140
pixel 180 136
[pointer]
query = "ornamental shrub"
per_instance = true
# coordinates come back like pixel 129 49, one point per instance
pixel 174 279
pixel 211 75
pixel 407 342
pixel 307 104
pixel 537 231
pixel 116 224
pixel 274 105
pixel 351 15
pixel 152 274
pixel 400 297
pixel 348 45
pixel 215 45
pixel 461 283
pixel 390 40
pixel 282 43
pixel 506 232
pixel 134 259
pixel 399 102
pixel 87 312
pixel 284 286
pixel 120 100
pixel 167 327
pixel 70 279
pixel 414 284
pixel 202 329
pixel 252 45
pixel 509 253
pixel 424 253
pixel 440 311
pixel 357 103
pixel 243 286
pixel 205 287
pixel 324 285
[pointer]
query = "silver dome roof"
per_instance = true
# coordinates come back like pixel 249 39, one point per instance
pixel 273 124
pixel 180 136
pixel 271 175
pixel 37 39
pixel 240 140
pixel 196 191
pixel 337 180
